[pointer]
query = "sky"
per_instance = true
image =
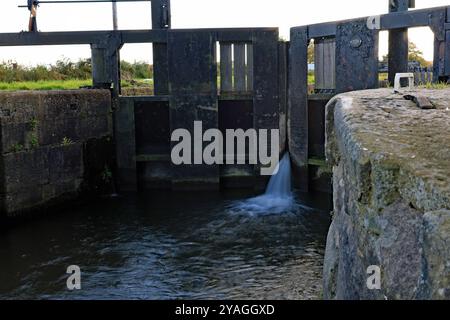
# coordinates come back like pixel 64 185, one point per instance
pixel 188 14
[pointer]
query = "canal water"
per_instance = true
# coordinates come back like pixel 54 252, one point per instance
pixel 168 246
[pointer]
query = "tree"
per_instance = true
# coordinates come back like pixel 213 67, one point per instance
pixel 414 54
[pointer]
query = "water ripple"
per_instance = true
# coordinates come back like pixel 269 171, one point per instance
pixel 168 247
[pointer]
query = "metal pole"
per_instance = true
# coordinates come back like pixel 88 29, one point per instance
pixel 114 12
pixel 84 1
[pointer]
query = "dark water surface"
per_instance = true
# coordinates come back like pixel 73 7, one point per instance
pixel 167 246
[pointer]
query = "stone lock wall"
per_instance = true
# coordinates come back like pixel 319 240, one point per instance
pixel 391 179
pixel 53 145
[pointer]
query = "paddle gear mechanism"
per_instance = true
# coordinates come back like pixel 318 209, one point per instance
pixel 32 7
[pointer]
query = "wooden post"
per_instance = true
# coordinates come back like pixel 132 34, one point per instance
pixel 124 132
pixel 441 61
pixel 298 107
pixel 398 42
pixel 265 87
pixel 161 19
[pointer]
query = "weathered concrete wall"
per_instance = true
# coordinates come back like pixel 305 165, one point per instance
pixel 53 145
pixel 391 166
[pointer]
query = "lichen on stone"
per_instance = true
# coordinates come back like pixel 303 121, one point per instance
pixel 391 166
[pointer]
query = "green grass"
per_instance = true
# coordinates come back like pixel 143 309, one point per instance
pixel 63 84
pixel 45 85
pixel 440 85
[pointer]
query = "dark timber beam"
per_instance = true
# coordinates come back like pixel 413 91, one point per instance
pixel 394 20
pixel 125 141
pixel 230 34
pixel 283 51
pixel 193 97
pixel 398 43
pixel 101 74
pixel 80 37
pixel 127 36
pixel 161 19
pixel 266 111
pixel 144 36
pixel 298 107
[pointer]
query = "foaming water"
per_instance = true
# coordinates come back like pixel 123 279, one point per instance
pixel 278 197
pixel 280 183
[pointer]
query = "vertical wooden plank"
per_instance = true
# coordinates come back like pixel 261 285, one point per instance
pixel 333 68
pixel 329 57
pixel 356 57
pixel 226 67
pixel 193 84
pixel 318 64
pixel 282 83
pixel 250 67
pixel 125 144
pixel 325 56
pixel 298 106
pixel 239 67
pixel 265 71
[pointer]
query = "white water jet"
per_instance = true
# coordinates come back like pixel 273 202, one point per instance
pixel 280 184
pixel 278 197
